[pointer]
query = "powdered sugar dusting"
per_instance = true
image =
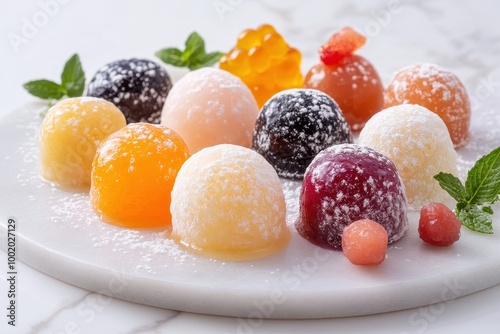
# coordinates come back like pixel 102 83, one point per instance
pixel 294 126
pixel 433 87
pixel 71 213
pixel 210 106
pixel 138 87
pixel 228 197
pixel 418 142
pixel 345 183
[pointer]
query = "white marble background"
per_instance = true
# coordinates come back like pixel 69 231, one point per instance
pixel 461 35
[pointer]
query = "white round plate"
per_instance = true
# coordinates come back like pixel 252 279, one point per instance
pixel 58 234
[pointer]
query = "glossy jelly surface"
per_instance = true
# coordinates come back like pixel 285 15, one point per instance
pixel 210 106
pixel 346 183
pixel 265 62
pixel 438 225
pixel 69 136
pixel 364 242
pixel 294 126
pixel 133 174
pixel 436 89
pixel 354 84
pixel 228 204
pixel 342 44
pixel 418 143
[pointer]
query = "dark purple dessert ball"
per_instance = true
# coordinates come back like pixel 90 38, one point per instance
pixel 294 126
pixel 138 87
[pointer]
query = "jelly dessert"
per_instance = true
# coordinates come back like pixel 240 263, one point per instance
pixel 349 79
pixel 210 106
pixel 438 225
pixel 70 133
pixel 364 242
pixel 138 87
pixel 133 174
pixel 228 204
pixel 439 91
pixel 294 126
pixel 418 143
pixel 345 183
pixel 265 62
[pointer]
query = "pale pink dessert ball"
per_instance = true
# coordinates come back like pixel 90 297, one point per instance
pixel 211 106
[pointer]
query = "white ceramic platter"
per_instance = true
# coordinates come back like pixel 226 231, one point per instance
pixel 58 234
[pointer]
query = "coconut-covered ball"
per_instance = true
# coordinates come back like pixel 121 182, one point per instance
pixel 418 143
pixel 211 106
pixel 294 126
pixel 138 87
pixel 227 203
pixel 346 183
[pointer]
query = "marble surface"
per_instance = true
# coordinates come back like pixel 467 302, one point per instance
pixel 38 36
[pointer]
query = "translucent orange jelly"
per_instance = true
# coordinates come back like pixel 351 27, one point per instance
pixel 349 79
pixel 264 62
pixel 354 84
pixel 133 174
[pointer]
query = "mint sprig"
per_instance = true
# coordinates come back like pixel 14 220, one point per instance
pixel 72 83
pixel 45 89
pixel 73 77
pixel 193 56
pixel 482 188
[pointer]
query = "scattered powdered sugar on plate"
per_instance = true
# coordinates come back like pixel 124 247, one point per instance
pixel 72 210
pixel 291 190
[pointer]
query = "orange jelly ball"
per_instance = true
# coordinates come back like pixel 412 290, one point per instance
pixel 439 91
pixel 354 84
pixel 364 242
pixel 133 174
pixel 264 62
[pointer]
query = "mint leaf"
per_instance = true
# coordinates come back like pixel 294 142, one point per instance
pixel 192 57
pixel 211 58
pixel 195 48
pixel 45 89
pixel 171 56
pixel 482 188
pixel 476 219
pixel 452 185
pixel 483 179
pixel 72 83
pixel 73 77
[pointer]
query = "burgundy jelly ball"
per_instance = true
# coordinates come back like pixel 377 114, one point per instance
pixel 345 183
